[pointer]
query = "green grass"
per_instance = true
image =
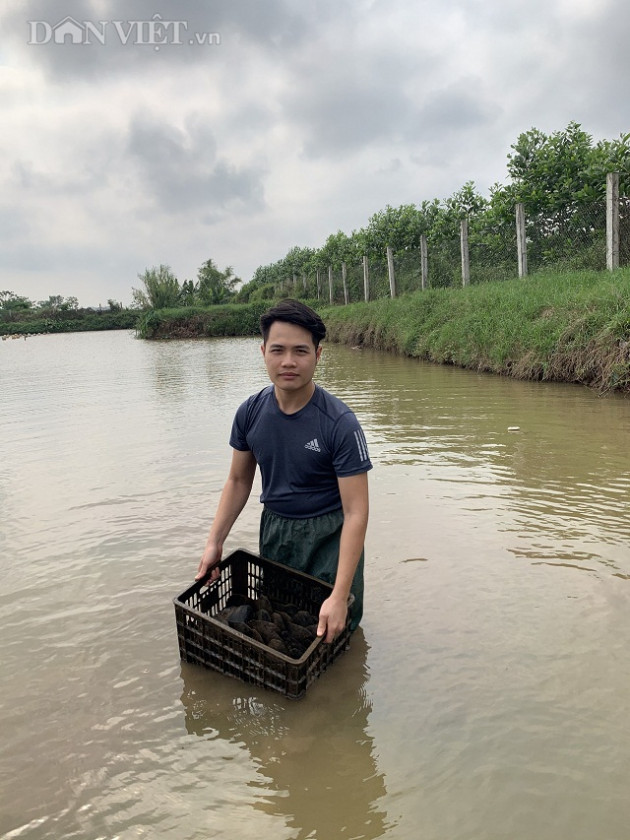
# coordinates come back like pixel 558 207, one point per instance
pixel 202 322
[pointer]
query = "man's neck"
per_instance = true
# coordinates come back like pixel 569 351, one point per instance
pixel 290 402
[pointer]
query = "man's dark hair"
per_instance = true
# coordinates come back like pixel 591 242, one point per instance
pixel 294 312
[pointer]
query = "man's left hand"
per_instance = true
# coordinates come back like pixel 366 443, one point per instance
pixel 332 617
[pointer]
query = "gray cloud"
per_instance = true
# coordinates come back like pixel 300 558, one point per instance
pixel 15 226
pixel 450 114
pixel 182 169
pixel 344 106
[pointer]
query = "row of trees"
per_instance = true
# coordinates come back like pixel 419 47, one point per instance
pixel 560 178
pixel 162 290
pixel 14 307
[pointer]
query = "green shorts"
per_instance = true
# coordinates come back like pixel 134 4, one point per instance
pixel 310 546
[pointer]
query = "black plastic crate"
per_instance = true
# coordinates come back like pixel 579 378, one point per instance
pixel 204 640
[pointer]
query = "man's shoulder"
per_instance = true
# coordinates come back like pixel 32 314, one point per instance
pixel 255 405
pixel 330 405
pixel 259 398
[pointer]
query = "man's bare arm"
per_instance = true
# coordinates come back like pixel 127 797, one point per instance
pixel 234 496
pixel 355 502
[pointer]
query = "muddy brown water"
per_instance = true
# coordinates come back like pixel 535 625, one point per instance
pixel 485 695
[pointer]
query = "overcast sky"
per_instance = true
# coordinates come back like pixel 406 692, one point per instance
pixel 180 131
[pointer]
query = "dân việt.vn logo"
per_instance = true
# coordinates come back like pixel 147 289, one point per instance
pixel 156 33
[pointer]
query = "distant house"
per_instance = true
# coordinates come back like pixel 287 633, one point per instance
pixel 69 27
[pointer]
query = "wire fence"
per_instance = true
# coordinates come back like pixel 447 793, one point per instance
pixel 572 239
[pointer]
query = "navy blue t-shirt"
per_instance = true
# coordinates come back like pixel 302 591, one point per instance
pixel 301 455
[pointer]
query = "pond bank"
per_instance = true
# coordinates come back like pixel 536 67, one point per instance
pixel 570 327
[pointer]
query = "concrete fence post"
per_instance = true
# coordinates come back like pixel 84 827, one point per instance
pixel 612 221
pixel 463 235
pixel 344 280
pixel 390 270
pixel 366 279
pixel 521 240
pixel 424 262
pixel 330 284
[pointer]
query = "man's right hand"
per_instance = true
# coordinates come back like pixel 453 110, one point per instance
pixel 209 563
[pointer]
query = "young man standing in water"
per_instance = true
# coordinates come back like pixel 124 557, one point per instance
pixel 313 461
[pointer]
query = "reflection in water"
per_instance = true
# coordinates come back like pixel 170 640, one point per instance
pixel 316 754
pixel 218 363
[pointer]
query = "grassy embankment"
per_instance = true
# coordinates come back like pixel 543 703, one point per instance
pixel 553 327
pixel 570 327
pixel 202 322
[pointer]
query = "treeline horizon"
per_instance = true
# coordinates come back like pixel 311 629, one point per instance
pixel 14 307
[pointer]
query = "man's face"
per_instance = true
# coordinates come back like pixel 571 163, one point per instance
pixel 290 356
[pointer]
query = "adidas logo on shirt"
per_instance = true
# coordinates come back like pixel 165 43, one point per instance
pixel 313 445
